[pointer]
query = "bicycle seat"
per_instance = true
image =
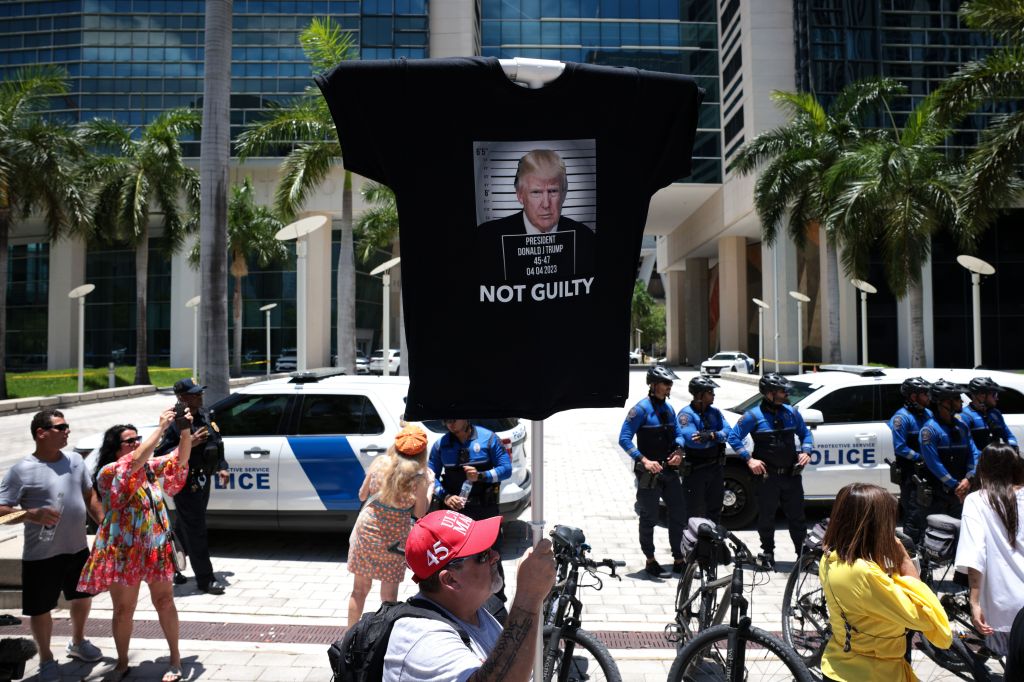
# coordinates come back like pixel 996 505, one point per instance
pixel 944 522
pixel 567 537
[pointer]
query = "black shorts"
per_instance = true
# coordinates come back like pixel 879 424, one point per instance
pixel 42 582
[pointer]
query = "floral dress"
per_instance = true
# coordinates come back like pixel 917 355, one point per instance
pixel 132 543
pixel 377 527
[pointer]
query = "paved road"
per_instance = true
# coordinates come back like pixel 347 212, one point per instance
pixel 287 592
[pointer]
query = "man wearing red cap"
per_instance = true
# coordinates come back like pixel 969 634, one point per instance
pixel 452 559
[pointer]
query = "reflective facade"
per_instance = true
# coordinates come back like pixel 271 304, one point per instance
pixel 658 35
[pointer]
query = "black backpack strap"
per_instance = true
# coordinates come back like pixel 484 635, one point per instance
pixel 435 612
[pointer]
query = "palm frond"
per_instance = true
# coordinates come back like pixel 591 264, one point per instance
pixel 326 44
pixel 801 105
pixel 857 98
pixel 999 76
pixel 991 181
pixel 302 171
pixel 1003 18
pixel 303 120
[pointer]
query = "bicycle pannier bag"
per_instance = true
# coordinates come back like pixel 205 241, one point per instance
pixel 940 536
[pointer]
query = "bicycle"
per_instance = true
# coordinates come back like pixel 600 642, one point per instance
pixel 571 654
pixel 697 605
pixel 737 651
pixel 805 624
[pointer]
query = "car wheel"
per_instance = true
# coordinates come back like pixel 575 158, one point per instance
pixel 739 507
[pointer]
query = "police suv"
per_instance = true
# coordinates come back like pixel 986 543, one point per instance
pixel 847 410
pixel 297 450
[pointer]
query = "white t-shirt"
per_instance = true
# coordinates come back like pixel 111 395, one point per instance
pixel 32 483
pixel 984 546
pixel 425 650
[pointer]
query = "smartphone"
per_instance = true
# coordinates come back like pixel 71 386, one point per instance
pixel 180 420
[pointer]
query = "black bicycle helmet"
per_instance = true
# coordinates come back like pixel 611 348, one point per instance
pixel 659 374
pixel 701 384
pixel 983 385
pixel 773 381
pixel 914 385
pixel 945 390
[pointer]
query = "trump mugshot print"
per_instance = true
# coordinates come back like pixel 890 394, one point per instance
pixel 536 214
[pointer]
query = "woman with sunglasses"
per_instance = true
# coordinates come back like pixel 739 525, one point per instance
pixel 132 543
pixel 396 488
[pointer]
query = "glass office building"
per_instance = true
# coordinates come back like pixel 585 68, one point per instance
pixel 919 43
pixel 658 35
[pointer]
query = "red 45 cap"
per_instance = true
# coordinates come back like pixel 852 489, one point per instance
pixel 443 536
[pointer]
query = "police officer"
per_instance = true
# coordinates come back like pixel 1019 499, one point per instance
pixel 948 451
pixel 190 504
pixel 656 457
pixel 469 453
pixel 704 433
pixel 982 416
pixel 906 425
pixel 774 425
pixel 475 454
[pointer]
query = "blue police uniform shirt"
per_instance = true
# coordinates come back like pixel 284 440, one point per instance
pixel 934 437
pixel 906 428
pixel 995 422
pixel 647 412
pixel 692 422
pixel 482 442
pixel 755 419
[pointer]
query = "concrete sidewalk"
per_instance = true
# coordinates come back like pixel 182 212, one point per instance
pixel 287 592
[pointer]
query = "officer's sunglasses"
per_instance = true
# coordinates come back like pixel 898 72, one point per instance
pixel 59 427
pixel 480 558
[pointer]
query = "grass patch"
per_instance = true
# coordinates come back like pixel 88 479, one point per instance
pixel 53 382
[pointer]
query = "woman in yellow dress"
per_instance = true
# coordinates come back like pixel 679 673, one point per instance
pixel 873 591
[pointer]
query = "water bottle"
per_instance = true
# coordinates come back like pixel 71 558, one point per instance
pixel 47 533
pixel 464 490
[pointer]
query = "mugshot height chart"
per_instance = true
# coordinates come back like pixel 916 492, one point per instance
pixel 516 291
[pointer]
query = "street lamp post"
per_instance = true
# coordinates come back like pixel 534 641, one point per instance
pixel 298 231
pixel 80 293
pixel 193 303
pixel 384 270
pixel 761 307
pixel 800 300
pixel 266 309
pixel 865 289
pixel 638 334
pixel 977 268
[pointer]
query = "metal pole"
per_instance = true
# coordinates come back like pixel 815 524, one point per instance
pixel 775 303
pixel 385 371
pixel 864 327
pixel 537 521
pixel 268 342
pixel 760 339
pixel 799 338
pixel 300 288
pixel 195 341
pixel 81 344
pixel 976 295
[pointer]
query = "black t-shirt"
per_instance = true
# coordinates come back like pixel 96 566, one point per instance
pixel 501 321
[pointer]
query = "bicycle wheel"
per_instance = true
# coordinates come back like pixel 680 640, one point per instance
pixel 805 625
pixel 957 659
pixel 579 656
pixel 695 613
pixel 755 655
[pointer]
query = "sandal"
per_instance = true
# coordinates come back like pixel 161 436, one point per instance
pixel 172 675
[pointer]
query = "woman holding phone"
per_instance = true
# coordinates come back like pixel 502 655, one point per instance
pixel 133 541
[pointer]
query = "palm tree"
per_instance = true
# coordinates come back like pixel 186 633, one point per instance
pixel 250 230
pixel 992 180
pixel 794 159
pixel 890 195
pixel 307 123
pixel 37 170
pixel 133 177
pixel 213 168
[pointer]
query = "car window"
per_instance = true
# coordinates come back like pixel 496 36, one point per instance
pixel 1011 401
pixel 848 405
pixel 798 391
pixel 891 400
pixel 250 415
pixel 332 414
pixel 724 356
